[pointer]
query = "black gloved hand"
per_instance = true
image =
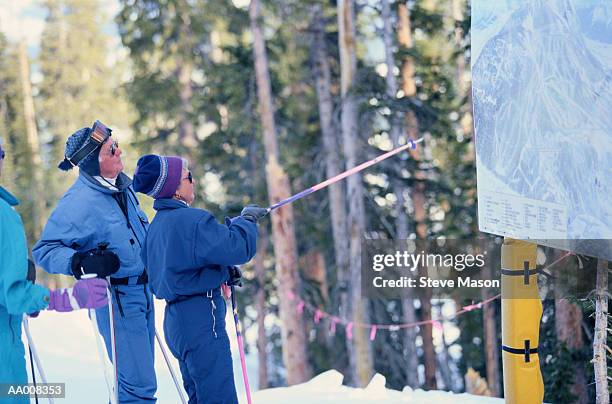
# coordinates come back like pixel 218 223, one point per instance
pixel 98 261
pixel 253 213
pixel 32 278
pixel 31 271
pixel 235 276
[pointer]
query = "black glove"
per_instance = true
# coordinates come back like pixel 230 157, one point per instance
pixel 235 277
pixel 253 213
pixel 31 271
pixel 98 261
pixel 32 278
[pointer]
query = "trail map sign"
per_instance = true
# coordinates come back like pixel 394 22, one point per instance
pixel 542 93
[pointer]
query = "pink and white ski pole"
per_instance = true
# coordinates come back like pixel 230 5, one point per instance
pixel 411 144
pixel 245 376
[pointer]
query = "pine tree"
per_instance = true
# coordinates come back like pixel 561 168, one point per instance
pixel 171 47
pixel 409 89
pixel 568 327
pixel 600 339
pixel 337 195
pixel 13 123
pixel 360 353
pixel 283 232
pixel 399 187
pixel 80 84
pixel 31 125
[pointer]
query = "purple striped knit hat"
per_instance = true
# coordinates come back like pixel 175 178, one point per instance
pixel 158 176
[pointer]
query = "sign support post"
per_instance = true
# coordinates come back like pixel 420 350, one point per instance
pixel 521 315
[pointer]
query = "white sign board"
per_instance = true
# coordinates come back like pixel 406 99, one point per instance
pixel 542 93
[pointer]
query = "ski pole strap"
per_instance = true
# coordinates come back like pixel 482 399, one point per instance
pixel 526 350
pixel 525 272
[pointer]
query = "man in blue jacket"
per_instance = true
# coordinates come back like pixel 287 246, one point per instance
pixel 189 256
pixel 100 212
pixel 19 295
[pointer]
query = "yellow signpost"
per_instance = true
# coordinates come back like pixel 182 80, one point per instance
pixel 521 314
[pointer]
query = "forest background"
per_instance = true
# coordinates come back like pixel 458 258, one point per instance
pixel 267 98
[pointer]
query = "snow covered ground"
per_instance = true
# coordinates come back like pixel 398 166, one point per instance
pixel 327 388
pixel 68 352
pixel 67 349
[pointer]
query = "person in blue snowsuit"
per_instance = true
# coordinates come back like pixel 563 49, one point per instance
pixel 190 256
pixel 100 212
pixel 19 295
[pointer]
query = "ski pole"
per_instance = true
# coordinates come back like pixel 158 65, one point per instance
pixel 33 374
pixel 94 323
pixel 172 373
pixel 111 315
pixel 26 328
pixel 411 144
pixel 245 376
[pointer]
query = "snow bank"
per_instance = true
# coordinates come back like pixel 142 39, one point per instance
pixel 327 388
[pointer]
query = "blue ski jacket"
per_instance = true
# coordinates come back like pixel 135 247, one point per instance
pixel 17 294
pixel 89 214
pixel 187 252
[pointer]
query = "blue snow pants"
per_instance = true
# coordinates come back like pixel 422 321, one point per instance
pixel 195 333
pixel 12 355
pixel 135 334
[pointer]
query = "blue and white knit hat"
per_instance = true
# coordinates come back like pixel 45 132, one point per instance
pixel 90 163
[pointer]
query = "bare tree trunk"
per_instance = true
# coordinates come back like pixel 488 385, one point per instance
pixel 36 192
pixel 360 354
pixel 186 128
pixel 315 270
pixel 443 362
pixel 410 349
pixel 404 36
pixel 491 341
pixel 185 69
pixel 283 232
pixel 429 352
pixel 337 197
pixel 491 348
pixel 418 191
pixel 401 221
pixel 395 120
pixel 463 83
pixel 568 325
pixel 260 306
pixel 457 14
pixel 600 336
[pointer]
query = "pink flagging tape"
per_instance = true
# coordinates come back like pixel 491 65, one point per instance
pixel 373 333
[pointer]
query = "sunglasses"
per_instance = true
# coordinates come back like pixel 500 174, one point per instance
pixel 189 177
pixel 113 148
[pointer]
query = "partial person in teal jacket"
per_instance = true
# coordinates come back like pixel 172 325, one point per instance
pixel 19 296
